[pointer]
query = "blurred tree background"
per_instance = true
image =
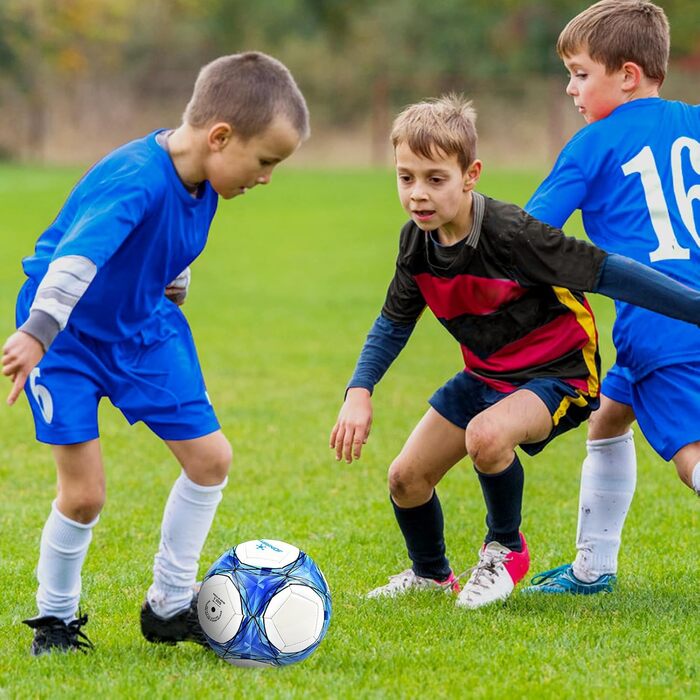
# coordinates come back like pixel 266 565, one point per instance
pixel 77 77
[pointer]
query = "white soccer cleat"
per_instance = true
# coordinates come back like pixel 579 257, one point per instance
pixel 495 576
pixel 409 581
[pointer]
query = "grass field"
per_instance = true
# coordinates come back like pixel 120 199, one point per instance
pixel 280 302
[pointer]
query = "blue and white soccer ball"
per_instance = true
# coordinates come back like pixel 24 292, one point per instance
pixel 264 603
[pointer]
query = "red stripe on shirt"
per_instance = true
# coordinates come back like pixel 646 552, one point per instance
pixel 466 294
pixel 542 346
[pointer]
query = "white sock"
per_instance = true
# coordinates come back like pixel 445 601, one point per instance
pixel 64 544
pixel 696 478
pixel 188 516
pixel 608 479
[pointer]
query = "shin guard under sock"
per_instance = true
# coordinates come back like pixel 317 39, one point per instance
pixel 423 530
pixel 503 495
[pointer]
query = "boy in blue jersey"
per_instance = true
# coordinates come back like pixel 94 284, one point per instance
pixel 634 172
pixel 93 321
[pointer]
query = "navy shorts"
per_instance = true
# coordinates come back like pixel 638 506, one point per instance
pixel 463 397
pixel 154 377
pixel 666 403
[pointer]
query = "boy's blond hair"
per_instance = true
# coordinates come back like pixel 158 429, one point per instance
pixel 247 91
pixel 446 124
pixel 616 31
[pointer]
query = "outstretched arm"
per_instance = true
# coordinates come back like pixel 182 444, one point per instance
pixel 541 254
pixel 627 280
pixel 384 342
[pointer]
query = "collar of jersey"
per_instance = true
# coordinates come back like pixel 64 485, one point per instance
pixel 635 104
pixel 178 184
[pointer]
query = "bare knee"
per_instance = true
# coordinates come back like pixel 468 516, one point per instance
pixel 82 503
pixel 486 447
pixel 400 483
pixel 211 466
pixel 685 475
pixel 81 480
pixel 611 420
pixel 407 489
pixel 685 460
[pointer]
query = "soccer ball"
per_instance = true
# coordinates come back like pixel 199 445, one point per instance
pixel 264 603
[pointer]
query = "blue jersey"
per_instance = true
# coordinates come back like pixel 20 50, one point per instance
pixel 635 176
pixel 134 219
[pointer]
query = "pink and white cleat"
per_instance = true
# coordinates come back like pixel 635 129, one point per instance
pixel 495 576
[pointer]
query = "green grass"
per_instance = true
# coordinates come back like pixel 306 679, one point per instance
pixel 281 300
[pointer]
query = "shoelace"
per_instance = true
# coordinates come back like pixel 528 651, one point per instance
pixel 547 575
pixel 56 631
pixel 407 579
pixel 488 561
pixel 402 580
pixel 78 637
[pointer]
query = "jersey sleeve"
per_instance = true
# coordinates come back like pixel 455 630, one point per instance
pixel 404 301
pixel 384 342
pixel 64 283
pixel 541 254
pixel 560 194
pixel 107 211
pixel 627 280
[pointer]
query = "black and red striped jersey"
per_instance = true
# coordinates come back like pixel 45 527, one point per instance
pixel 511 294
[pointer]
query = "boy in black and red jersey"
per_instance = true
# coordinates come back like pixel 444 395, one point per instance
pixel 509 289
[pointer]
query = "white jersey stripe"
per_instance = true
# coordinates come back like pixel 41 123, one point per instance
pixel 65 282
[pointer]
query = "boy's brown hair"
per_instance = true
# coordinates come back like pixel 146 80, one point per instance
pixel 446 124
pixel 247 91
pixel 616 31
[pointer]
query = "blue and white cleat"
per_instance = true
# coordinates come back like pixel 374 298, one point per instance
pixel 563 580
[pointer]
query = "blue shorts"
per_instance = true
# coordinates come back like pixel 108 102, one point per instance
pixel 464 396
pixel 152 377
pixel 666 403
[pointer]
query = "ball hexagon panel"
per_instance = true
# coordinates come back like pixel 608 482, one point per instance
pixel 294 618
pixel 219 608
pixel 267 554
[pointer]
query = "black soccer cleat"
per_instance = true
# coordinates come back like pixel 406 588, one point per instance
pixel 183 627
pixel 52 634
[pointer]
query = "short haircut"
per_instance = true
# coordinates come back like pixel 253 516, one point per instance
pixel 247 91
pixel 616 31
pixel 446 124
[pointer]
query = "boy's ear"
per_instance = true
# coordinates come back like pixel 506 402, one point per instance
pixel 632 76
pixel 472 175
pixel 219 135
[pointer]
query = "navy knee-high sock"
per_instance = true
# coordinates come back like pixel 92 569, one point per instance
pixel 503 494
pixel 423 530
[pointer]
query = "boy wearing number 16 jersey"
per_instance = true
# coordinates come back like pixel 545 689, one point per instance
pixel 634 172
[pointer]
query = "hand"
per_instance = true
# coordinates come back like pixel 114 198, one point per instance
pixel 352 428
pixel 176 295
pixel 177 290
pixel 20 355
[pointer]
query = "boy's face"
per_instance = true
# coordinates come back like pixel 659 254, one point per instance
pixel 596 93
pixel 432 190
pixel 234 166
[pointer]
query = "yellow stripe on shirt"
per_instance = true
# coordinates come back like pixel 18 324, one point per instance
pixel 585 319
